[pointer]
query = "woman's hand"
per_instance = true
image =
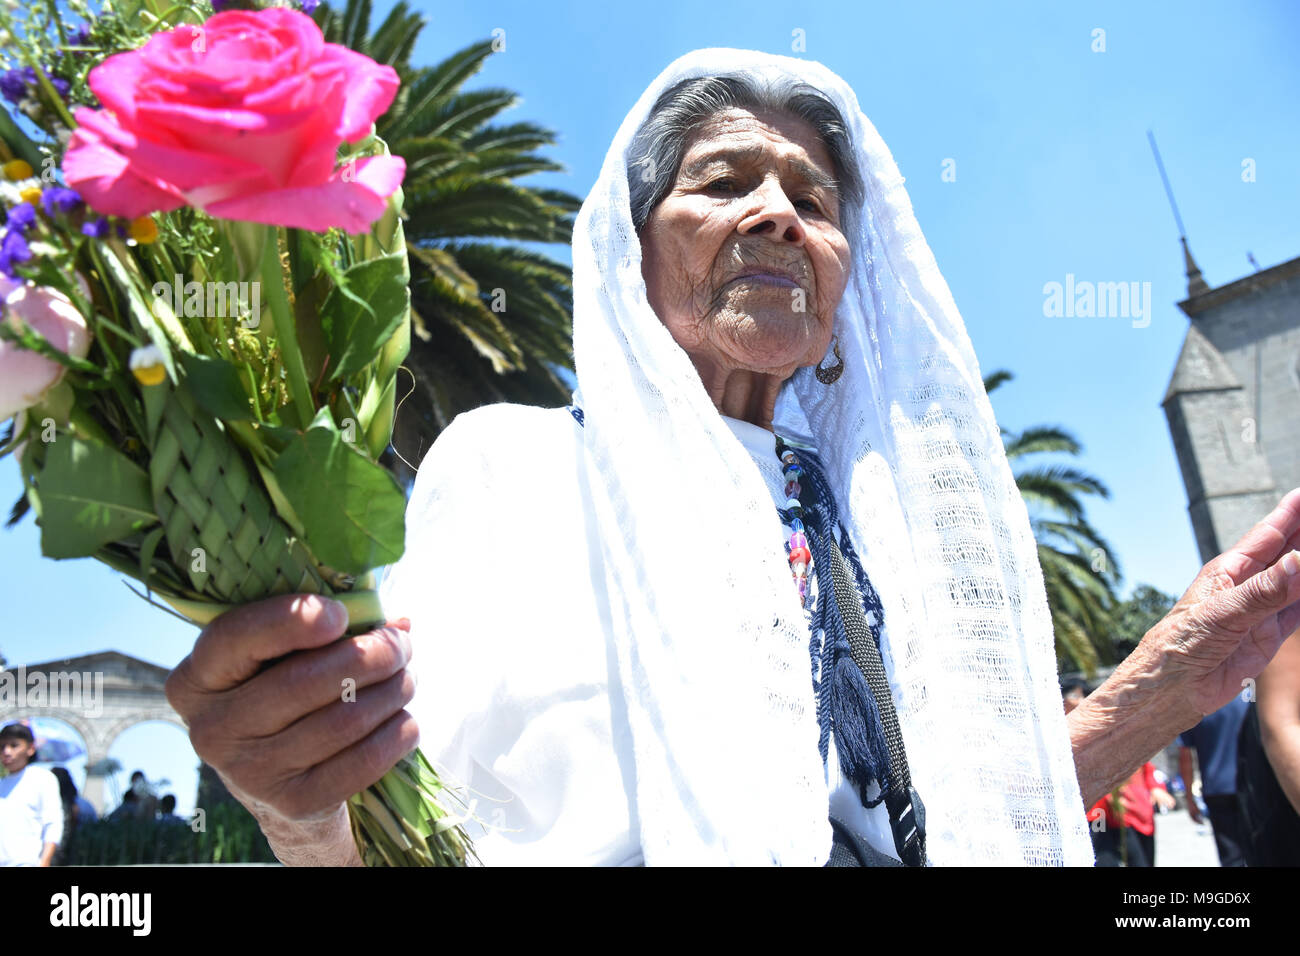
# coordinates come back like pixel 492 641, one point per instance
pixel 1220 634
pixel 293 738
pixel 1233 618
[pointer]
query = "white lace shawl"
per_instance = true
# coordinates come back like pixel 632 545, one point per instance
pixel 713 655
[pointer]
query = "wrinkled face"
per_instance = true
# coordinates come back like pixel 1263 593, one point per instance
pixel 744 260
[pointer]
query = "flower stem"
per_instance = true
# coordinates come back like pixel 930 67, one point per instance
pixel 59 106
pixel 285 330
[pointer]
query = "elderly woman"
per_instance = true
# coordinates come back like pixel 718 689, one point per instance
pixel 767 591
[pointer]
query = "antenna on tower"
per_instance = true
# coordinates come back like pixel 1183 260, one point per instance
pixel 1196 283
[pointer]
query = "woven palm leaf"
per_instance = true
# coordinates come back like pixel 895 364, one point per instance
pixel 223 532
pixel 218 520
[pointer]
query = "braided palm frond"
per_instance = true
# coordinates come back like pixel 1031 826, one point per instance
pixel 219 523
pixel 225 536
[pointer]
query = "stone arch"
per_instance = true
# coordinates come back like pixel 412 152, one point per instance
pixel 99 695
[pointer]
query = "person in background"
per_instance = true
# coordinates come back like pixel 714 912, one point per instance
pixel 86 810
pixel 1138 797
pixel 1073 691
pixel 1214 743
pixel 129 809
pixel 31 812
pixel 71 815
pixel 167 810
pixel 1135 822
pixel 1268 764
pixel 143 804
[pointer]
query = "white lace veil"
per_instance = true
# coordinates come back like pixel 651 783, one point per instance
pixel 712 650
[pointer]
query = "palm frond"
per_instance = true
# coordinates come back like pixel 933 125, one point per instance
pixel 491 321
pixel 994 379
pixel 1080 592
pixel 1042 438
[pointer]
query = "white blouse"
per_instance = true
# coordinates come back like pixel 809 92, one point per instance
pixel 518 701
pixel 845 806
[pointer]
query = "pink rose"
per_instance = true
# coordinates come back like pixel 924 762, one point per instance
pixel 25 376
pixel 242 119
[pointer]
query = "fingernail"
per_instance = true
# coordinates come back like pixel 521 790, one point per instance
pixel 333 613
pixel 1291 563
pixel 403 622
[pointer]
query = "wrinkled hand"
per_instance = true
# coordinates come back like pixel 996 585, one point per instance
pixel 263 696
pixel 1234 616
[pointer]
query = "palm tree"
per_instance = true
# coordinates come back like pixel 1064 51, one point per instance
pixel 1080 570
pixel 492 319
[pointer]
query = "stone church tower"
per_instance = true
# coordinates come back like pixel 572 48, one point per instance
pixel 1233 403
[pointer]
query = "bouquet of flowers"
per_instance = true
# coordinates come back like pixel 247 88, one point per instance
pixel 169 176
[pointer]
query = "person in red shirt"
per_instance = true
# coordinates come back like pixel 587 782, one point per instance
pixel 1135 823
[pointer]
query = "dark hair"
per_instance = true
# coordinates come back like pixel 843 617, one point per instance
pixel 655 153
pixel 1070 684
pixel 67 789
pixel 17 731
pixel 71 814
pixel 167 804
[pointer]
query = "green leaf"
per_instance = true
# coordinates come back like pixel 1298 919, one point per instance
pixel 286 332
pixel 217 386
pixel 359 321
pixel 379 430
pixel 90 495
pixel 156 319
pixel 353 510
pixel 147 549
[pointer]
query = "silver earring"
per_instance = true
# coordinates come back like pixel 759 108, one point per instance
pixel 829 376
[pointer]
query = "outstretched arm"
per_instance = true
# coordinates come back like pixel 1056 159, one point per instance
pixel 1223 630
pixel 1278 700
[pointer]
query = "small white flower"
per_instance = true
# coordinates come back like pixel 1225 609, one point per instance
pixel 147 365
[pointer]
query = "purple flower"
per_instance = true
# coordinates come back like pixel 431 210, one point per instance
pixel 13 249
pixel 309 6
pixel 60 86
pixel 80 36
pixel 219 6
pixel 95 228
pixel 14 83
pixel 22 216
pixel 59 199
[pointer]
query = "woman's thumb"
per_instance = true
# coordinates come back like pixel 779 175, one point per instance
pixel 1261 596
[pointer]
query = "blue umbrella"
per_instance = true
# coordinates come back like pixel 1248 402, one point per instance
pixel 55 742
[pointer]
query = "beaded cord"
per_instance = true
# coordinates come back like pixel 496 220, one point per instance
pixel 797 550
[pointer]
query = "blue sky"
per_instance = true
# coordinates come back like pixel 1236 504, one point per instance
pixel 1054 177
